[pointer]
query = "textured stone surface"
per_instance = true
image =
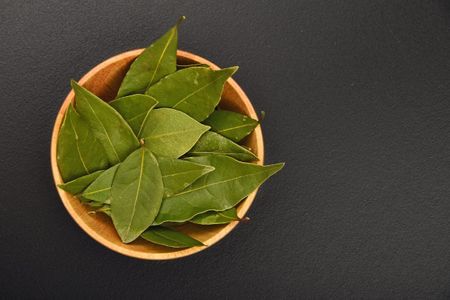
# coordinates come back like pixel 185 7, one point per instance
pixel 356 95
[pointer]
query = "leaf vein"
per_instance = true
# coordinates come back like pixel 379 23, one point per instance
pixel 106 132
pixel 198 90
pixel 212 184
pixel 170 133
pixel 168 238
pixel 141 172
pixel 97 191
pixel 78 147
pixel 236 127
pixel 160 57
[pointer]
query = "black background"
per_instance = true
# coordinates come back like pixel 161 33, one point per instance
pixel 357 101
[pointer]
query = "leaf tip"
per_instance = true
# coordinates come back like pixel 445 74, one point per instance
pixel 74 84
pixel 126 237
pixel 278 166
pixel 196 242
pixel 228 71
pixel 233 69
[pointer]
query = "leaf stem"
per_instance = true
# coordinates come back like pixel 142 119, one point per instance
pixel 244 219
pixel 181 19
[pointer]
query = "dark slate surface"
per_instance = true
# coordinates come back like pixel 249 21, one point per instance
pixel 357 101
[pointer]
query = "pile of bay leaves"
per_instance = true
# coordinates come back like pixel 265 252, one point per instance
pixel 161 153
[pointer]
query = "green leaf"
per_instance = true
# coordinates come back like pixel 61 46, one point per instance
pixel 195 91
pixel 135 110
pixel 137 192
pixel 213 143
pixel 78 185
pixel 216 217
pixel 157 61
pixel 107 124
pixel 169 237
pixel 178 174
pixel 184 66
pixel 230 124
pixel 171 133
pixel 100 189
pixel 78 152
pixel 222 189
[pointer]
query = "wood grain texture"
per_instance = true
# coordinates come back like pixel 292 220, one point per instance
pixel 104 80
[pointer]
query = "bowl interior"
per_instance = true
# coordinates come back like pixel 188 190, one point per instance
pixel 104 81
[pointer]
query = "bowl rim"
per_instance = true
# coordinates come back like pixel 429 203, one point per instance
pixel 122 249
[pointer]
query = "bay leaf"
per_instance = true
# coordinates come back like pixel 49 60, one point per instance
pixel 195 91
pixel 107 124
pixel 216 217
pixel 78 151
pixel 232 125
pixel 135 110
pixel 155 62
pixel 171 133
pixel 100 189
pixel 169 237
pixel 219 190
pixel 137 192
pixel 213 143
pixel 78 185
pixel 184 66
pixel 178 174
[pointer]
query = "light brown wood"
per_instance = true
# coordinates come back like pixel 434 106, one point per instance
pixel 104 81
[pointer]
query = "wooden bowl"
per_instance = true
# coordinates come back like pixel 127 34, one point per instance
pixel 104 81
